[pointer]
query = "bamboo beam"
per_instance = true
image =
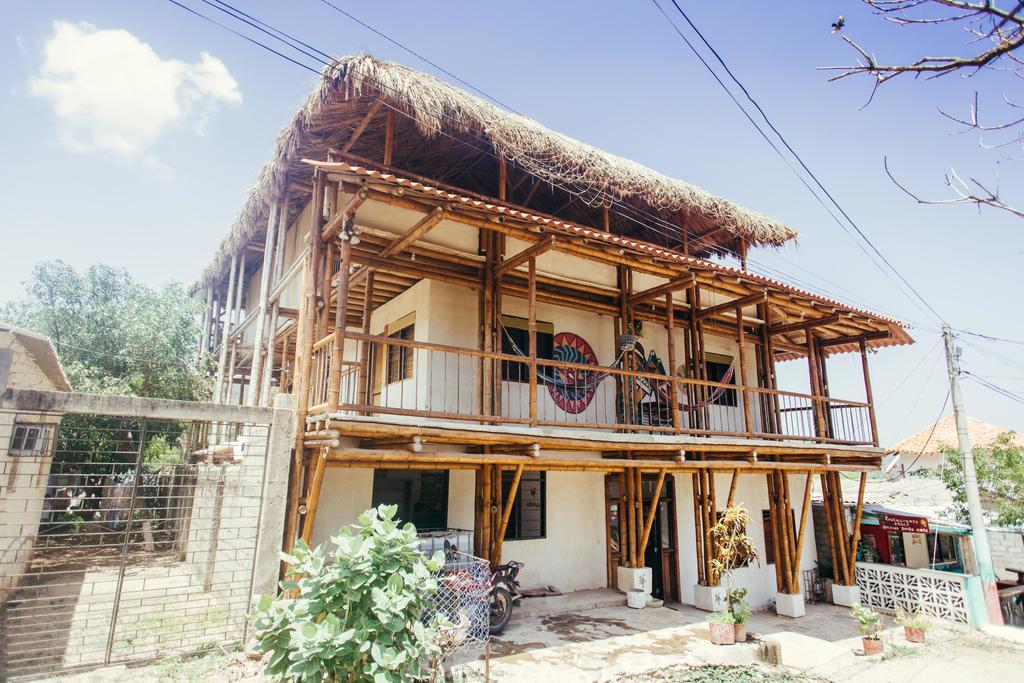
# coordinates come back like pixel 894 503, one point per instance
pixel 528 254
pixel 532 329
pixel 735 304
pixel 674 285
pixel 698 526
pixel 488 498
pixel 805 324
pixel 671 334
pixel 852 557
pixel 641 550
pixel 506 513
pixel 732 489
pixel 631 516
pixel 361 128
pixel 340 320
pixel 841 525
pixel 422 227
pixel 389 136
pixel 773 519
pixel 652 510
pixel 868 395
pixel 856 338
pixel 805 508
pixel 337 221
pixel 624 535
pixel 313 495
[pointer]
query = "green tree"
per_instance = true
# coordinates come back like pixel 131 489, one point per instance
pixel 113 334
pixel 1000 470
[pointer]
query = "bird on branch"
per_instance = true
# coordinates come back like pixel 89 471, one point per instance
pixel 839 24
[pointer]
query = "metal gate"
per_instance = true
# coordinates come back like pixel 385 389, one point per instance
pixel 124 538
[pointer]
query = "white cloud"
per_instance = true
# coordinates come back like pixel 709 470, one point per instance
pixel 113 93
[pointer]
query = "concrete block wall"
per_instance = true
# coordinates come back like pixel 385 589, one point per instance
pixel 1007 546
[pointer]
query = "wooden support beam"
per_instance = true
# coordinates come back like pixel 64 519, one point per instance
pixel 631 516
pixel 337 221
pixel 855 338
pixel 675 285
pixel 499 537
pixel 852 555
pixel 805 324
pixel 361 127
pixel 422 227
pixel 313 495
pixel 868 395
pixel 389 136
pixel 531 252
pixel 732 488
pixel 801 528
pixel 652 511
pixel 532 331
pixel 735 304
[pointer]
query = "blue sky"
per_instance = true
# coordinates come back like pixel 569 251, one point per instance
pixel 156 193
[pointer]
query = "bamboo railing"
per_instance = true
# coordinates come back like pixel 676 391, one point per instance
pixel 445 382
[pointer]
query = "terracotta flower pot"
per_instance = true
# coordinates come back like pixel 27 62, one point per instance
pixel 740 632
pixel 914 635
pixel 872 646
pixel 722 634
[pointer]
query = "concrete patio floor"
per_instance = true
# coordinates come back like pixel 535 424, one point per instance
pixel 603 640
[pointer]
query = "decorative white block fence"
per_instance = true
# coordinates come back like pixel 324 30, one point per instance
pixel 942 595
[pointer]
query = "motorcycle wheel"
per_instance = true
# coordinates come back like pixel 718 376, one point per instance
pixel 501 609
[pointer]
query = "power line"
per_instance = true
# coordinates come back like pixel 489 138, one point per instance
pixel 924 446
pixel 789 147
pixel 1006 393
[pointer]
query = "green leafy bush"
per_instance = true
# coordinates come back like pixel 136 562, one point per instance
pixel 723 617
pixel 738 605
pixel 911 620
pixel 358 606
pixel 868 621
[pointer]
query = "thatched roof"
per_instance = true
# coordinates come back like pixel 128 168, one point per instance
pixel 445 130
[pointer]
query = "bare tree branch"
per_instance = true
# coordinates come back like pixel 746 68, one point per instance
pixel 982 196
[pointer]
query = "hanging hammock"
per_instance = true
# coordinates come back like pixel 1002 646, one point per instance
pixel 592 378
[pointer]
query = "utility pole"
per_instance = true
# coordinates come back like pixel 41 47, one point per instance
pixel 983 555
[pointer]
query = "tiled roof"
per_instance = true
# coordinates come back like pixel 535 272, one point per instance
pixel 933 438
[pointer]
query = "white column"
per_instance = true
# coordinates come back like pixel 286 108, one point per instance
pixel 256 374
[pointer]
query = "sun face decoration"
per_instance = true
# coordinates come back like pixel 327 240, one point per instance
pixel 573 389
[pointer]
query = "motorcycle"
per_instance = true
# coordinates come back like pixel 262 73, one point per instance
pixel 504 594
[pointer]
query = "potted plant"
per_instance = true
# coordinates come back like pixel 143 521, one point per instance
pixel 722 625
pixel 741 610
pixel 869 624
pixel 734 549
pixel 914 625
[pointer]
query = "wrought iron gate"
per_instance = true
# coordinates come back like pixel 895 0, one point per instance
pixel 124 538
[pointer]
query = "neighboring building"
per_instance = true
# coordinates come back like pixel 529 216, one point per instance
pixel 27 441
pixel 923 450
pixel 502 329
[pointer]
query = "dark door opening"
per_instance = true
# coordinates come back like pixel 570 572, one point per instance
pixel 661 554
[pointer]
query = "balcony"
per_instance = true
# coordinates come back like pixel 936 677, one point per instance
pixel 387 376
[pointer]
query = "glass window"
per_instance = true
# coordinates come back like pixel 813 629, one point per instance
pixel 720 369
pixel 400 358
pixel 28 439
pixel 421 496
pixel 515 341
pixel 529 511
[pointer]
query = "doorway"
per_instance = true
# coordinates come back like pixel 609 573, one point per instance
pixel 661 553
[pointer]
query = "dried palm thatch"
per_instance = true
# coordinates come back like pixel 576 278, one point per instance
pixel 439 110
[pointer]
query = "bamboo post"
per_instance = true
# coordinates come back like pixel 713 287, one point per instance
pixel 256 373
pixel 478 507
pixel 204 340
pixel 228 315
pixel 638 528
pixel 670 314
pixel 533 340
pixel 709 521
pixel 506 513
pixel 313 495
pixel 826 507
pixel 748 420
pixel 487 364
pixel 653 509
pixel 282 232
pixel 624 536
pixel 773 517
pixel 841 524
pixel 732 488
pixel 268 372
pixel 869 398
pixel 852 558
pixel 815 381
pixel 804 510
pixel 365 385
pixel 340 322
pixel 698 527
pixel 485 543
pixel 389 136
pixel 787 517
pixel 631 516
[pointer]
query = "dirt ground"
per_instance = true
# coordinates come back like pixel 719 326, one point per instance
pixel 615 644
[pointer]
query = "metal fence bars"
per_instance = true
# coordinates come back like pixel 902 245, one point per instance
pixel 124 538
